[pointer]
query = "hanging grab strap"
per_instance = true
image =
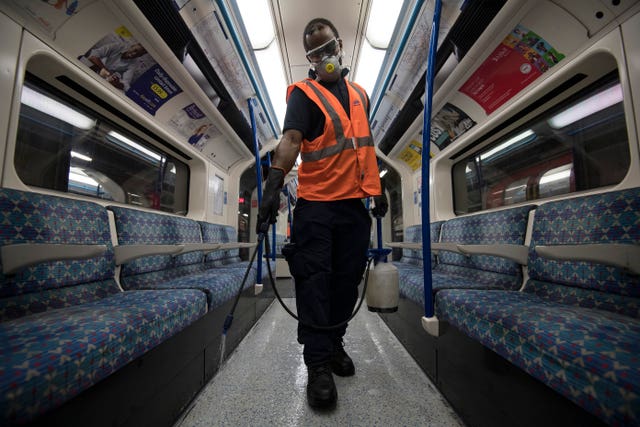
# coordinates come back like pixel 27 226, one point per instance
pixel 426 148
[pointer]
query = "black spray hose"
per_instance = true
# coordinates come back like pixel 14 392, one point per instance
pixel 261 237
pixel 309 325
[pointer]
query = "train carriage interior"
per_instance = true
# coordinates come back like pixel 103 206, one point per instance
pixel 137 138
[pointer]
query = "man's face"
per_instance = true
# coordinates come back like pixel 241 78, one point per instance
pixel 321 43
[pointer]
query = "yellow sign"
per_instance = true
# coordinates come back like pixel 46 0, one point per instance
pixel 412 155
pixel 122 31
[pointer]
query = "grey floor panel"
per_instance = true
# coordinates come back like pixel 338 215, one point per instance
pixel 263 382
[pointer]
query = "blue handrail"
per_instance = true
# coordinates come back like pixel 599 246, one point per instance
pixel 396 57
pixel 245 62
pixel 289 217
pixel 256 149
pixel 273 226
pixel 426 158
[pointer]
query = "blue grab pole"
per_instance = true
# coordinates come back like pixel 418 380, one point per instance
pixel 426 158
pixel 289 219
pixel 379 233
pixel 289 216
pixel 256 149
pixel 273 226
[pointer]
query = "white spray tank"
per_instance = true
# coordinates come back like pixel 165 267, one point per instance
pixel 383 291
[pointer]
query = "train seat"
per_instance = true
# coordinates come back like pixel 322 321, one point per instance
pixel 575 326
pixel 412 257
pixel 410 266
pixel 228 258
pixel 476 271
pixel 64 322
pixel 183 270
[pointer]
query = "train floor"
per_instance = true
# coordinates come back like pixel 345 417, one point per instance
pixel 263 381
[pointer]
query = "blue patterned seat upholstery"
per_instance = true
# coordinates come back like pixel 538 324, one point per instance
pixel 576 325
pixel 135 227
pixel 215 233
pixel 410 266
pixel 454 270
pixel 66 325
pixel 233 257
pixel 507 226
pixel 182 271
pixel 413 234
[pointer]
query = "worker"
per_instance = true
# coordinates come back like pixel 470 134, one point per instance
pixel 327 124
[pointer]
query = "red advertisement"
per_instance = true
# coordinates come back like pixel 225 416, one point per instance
pixel 521 58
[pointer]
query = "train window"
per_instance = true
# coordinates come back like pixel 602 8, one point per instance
pixel 578 145
pixel 62 146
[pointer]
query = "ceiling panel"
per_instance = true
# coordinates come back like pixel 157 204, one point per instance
pixel 291 17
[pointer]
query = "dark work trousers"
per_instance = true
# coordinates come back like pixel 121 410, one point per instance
pixel 328 261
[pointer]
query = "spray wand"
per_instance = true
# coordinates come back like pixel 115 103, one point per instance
pixel 229 319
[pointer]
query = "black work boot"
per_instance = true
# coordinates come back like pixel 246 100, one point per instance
pixel 341 363
pixel 321 390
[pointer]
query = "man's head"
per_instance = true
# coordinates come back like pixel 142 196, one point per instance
pixel 323 48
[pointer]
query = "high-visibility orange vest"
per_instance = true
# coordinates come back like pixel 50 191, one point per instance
pixel 340 163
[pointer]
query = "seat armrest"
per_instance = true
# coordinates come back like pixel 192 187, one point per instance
pixel 204 247
pixel 126 253
pixel 21 255
pixel 443 246
pixel 517 253
pixel 404 245
pixel 237 245
pixel 620 255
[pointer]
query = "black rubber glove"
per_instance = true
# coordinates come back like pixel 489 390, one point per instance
pixel 270 200
pixel 381 206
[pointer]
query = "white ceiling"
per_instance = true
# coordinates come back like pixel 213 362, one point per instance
pixel 291 16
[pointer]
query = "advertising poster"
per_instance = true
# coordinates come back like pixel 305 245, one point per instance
pixel 51 14
pixel 412 155
pixel 123 62
pixel 196 128
pixel 520 59
pixel 449 124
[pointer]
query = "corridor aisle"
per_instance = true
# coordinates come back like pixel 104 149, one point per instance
pixel 263 382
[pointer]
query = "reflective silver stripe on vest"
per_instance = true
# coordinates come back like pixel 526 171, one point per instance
pixel 363 98
pixel 343 143
pixel 366 141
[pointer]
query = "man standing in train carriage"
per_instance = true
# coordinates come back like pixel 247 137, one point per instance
pixel 327 123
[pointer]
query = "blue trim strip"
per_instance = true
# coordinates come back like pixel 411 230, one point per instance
pixel 256 149
pixel 245 62
pixel 426 158
pixel 407 32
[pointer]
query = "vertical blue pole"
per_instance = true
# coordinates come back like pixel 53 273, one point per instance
pixel 289 218
pixel 426 158
pixel 273 226
pixel 379 232
pixel 256 150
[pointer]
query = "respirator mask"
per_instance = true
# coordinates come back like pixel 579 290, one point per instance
pixel 325 60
